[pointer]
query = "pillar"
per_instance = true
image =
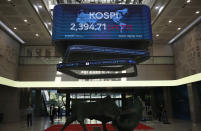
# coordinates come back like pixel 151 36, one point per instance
pixel 168 102
pixel 38 102
pixel 25 98
pixel 67 104
pixel 123 96
pixel 194 103
pixel 153 102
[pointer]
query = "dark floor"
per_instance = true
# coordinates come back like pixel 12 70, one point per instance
pixel 40 124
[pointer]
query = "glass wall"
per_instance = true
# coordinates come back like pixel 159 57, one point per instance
pixel 97 96
pixel 123 101
pixel 180 102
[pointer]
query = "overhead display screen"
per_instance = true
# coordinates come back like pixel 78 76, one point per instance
pixel 107 22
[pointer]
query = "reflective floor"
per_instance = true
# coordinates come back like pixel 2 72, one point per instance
pixel 40 124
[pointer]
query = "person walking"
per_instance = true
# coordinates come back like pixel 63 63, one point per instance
pixel 52 113
pixel 29 115
pixel 164 116
pixel 59 112
pixel 161 108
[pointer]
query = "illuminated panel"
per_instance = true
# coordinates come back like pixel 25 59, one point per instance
pixel 96 49
pixel 96 63
pixel 102 22
pixel 101 65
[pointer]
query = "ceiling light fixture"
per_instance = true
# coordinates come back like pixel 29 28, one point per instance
pixel 49 23
pixel 197 12
pixel 179 28
pixel 188 1
pixel 170 21
pixel 40 6
pixel 25 20
pixel 157 35
pixel 37 35
pixel 9 0
pixel 157 7
pixel 15 28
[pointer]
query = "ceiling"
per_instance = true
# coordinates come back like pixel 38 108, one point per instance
pixel 14 12
pixel 37 29
pixel 179 12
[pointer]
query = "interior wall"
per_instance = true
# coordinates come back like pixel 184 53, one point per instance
pixel 187 53
pixel 9 104
pixel 162 49
pixel 38 51
pixel 9 55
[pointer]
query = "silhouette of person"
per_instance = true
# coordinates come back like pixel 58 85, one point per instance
pixel 52 113
pixel 29 115
pixel 59 112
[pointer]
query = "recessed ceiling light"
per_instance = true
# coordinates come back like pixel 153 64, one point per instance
pixel 9 0
pixel 170 21
pixel 157 35
pixel 197 12
pixel 188 1
pixel 157 7
pixel 37 34
pixel 25 20
pixel 179 28
pixel 40 6
pixel 15 28
pixel 49 23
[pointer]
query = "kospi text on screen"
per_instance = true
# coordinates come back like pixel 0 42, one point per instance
pixel 109 22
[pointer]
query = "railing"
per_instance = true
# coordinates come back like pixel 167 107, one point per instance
pixel 41 60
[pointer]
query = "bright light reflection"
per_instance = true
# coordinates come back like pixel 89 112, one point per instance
pixel 58 79
pixel 124 78
pixel 160 10
pixel 59 73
